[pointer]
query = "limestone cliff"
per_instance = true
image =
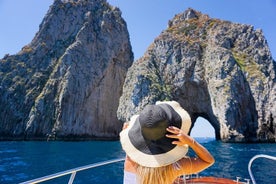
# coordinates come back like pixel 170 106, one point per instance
pixel 67 82
pixel 215 69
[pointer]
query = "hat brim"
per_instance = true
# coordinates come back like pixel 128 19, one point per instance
pixel 157 160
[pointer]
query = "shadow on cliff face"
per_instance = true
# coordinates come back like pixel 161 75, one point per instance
pixel 195 98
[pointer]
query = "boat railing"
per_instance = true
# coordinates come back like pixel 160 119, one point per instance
pixel 254 158
pixel 72 172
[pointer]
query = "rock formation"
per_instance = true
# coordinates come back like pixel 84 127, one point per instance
pixel 215 69
pixel 67 82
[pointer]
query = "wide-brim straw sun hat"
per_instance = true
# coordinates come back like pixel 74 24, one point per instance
pixel 145 141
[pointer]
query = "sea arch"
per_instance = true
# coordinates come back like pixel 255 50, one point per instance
pixel 212 120
pixel 202 128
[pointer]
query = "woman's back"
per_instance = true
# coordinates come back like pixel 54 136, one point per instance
pixel 156 143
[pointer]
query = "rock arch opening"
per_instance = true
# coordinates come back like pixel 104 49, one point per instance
pixel 202 128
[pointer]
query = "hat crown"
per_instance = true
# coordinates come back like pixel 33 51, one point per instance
pixel 154 121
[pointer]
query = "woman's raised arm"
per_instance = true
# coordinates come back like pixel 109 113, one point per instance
pixel 191 165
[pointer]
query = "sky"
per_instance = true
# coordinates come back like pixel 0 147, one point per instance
pixel 20 19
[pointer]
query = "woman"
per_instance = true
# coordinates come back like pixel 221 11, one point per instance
pixel 156 143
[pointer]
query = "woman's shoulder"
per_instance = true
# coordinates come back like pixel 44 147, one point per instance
pixel 130 165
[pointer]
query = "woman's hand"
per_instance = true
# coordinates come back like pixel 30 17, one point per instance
pixel 205 158
pixel 180 135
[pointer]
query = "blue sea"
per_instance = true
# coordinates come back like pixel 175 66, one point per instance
pixel 21 161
